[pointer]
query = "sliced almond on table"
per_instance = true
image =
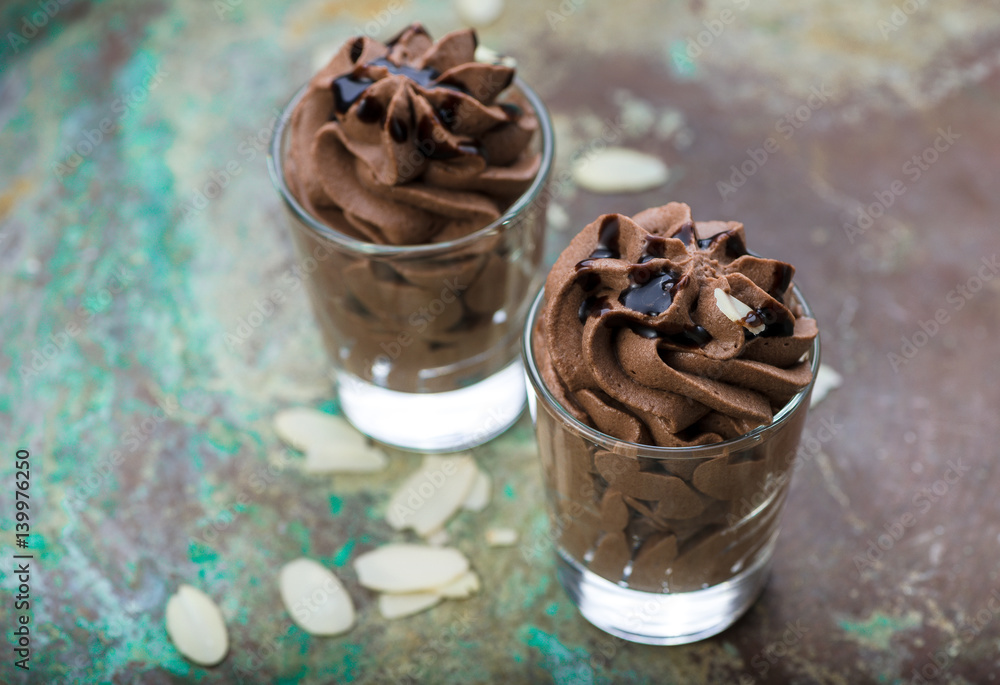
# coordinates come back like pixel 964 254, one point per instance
pixel 438 538
pixel 405 567
pixel 826 380
pixel 488 55
pixel 480 494
pixel 501 537
pixel 196 627
pixel 315 598
pixel 619 170
pixel 338 459
pixel 432 494
pixel 331 444
pixel 479 13
pixel 393 606
pixel 464 586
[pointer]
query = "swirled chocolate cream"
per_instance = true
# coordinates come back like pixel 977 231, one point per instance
pixel 660 330
pixel 414 143
pixel 406 143
pixel 665 331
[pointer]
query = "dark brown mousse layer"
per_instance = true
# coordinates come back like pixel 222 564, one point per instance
pixel 409 143
pixel 632 341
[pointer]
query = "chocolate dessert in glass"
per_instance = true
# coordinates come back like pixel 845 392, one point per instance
pixel 671 371
pixel 414 180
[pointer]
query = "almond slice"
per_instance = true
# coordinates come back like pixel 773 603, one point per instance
pixel 488 55
pixel 196 627
pixel 619 170
pixel 315 598
pixel 501 537
pixel 826 380
pixel 480 494
pixel 464 586
pixel 331 444
pixel 393 606
pixel 432 494
pixel 479 13
pixel 405 567
pixel 439 538
pixel 341 459
pixel 735 310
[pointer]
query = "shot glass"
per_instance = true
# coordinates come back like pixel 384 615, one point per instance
pixel 424 339
pixel 654 559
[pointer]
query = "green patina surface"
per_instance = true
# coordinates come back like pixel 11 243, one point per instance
pixel 153 459
pixel 878 629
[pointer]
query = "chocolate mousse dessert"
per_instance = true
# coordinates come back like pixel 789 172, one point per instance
pixel 407 144
pixel 661 331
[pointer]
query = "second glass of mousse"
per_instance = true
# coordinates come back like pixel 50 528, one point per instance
pixel 671 371
pixel 414 179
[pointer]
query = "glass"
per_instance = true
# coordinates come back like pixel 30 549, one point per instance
pixel 424 339
pixel 662 545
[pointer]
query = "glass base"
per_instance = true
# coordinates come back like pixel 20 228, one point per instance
pixel 435 422
pixel 653 618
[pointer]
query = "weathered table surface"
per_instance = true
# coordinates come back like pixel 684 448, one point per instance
pixel 859 144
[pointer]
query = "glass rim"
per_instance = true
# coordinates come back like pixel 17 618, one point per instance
pixel 276 169
pixel 625 447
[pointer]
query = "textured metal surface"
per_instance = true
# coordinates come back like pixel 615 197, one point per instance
pixel 155 460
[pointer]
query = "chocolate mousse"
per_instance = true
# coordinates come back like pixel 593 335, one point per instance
pixel 661 331
pixel 406 143
pixel 414 143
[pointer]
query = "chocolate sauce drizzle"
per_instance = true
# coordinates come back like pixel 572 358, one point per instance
pixel 607 239
pixel 734 244
pixel 351 88
pixel 654 294
pixel 653 289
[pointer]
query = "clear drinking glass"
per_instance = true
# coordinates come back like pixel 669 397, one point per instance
pixel 424 339
pixel 659 560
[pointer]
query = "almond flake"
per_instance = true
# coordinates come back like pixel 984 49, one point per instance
pixel 735 310
pixel 393 606
pixel 619 170
pixel 315 598
pixel 331 444
pixel 487 55
pixel 479 13
pixel 196 627
pixel 826 380
pixel 404 567
pixel 432 495
pixel 480 494
pixel 501 537
pixel 464 586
